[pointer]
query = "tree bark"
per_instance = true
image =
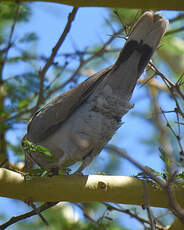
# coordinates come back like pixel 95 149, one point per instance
pixel 133 4
pixel 88 188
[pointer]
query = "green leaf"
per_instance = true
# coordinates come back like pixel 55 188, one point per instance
pixel 30 147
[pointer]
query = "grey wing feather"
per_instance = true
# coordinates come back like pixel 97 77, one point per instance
pixel 52 115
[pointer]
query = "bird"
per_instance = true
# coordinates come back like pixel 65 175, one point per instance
pixel 76 125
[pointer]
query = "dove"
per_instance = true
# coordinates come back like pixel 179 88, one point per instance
pixel 76 125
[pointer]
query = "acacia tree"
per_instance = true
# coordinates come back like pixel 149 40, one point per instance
pixel 22 92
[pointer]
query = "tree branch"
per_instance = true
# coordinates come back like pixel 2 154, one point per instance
pixel 134 4
pixel 34 212
pixel 50 60
pixel 77 188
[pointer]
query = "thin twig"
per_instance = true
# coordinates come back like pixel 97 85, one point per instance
pixel 34 212
pixel 146 170
pixel 133 215
pixel 88 216
pixel 38 213
pixel 174 31
pixel 180 16
pixel 169 83
pixel 4 162
pixel 169 187
pixel 50 60
pixel 173 89
pixel 9 44
pixel 147 206
pixel 99 53
pixel 174 133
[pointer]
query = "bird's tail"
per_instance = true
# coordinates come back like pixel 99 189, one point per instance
pixel 139 47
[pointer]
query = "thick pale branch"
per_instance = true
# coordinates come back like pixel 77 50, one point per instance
pixel 76 188
pixel 134 4
pixel 177 225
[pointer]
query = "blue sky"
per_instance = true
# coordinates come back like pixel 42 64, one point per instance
pixel 48 21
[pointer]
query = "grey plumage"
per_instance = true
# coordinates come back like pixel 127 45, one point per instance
pixel 76 125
